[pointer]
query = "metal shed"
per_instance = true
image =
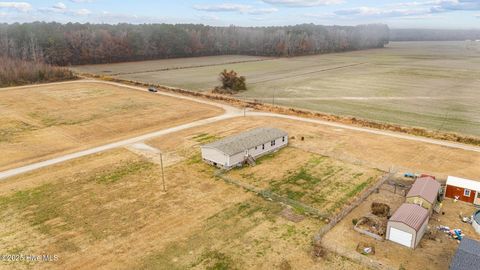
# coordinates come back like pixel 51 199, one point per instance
pixel 463 189
pixel 408 225
pixel 424 192
pixel 232 151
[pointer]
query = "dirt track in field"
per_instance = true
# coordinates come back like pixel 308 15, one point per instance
pixel 357 147
pixel 229 112
pixel 44 121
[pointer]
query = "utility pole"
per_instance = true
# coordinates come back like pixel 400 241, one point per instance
pixel 273 102
pixel 163 175
pixel 244 106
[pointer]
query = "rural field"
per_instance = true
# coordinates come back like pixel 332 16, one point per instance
pixel 100 206
pixel 320 182
pixel 153 66
pixel 434 85
pixel 353 147
pixel 39 122
pixel 107 203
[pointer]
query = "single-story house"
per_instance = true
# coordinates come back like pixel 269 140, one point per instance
pixel 463 190
pixel 235 150
pixel 424 192
pixel 467 256
pixel 408 225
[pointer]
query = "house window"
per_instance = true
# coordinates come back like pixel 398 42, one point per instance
pixel 466 192
pixel 283 139
pixel 478 195
pixel 273 143
pixel 256 147
pixel 263 146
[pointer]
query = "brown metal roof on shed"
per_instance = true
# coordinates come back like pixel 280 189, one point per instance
pixel 426 188
pixel 411 215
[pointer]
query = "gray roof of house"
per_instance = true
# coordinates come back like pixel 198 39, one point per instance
pixel 467 256
pixel 246 140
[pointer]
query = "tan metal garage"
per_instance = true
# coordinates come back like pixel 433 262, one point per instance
pixel 424 192
pixel 408 225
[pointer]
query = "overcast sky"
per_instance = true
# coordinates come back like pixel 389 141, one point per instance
pixel 397 14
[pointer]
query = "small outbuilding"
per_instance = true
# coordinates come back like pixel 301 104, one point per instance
pixel 408 225
pixel 467 256
pixel 247 146
pixel 463 189
pixel 424 192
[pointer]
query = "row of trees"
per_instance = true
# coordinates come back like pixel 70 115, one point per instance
pixel 74 44
pixel 15 72
pixel 434 34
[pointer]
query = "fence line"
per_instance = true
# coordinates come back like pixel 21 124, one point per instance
pixel 269 195
pixel 317 240
pixel 333 220
pixel 361 259
pixel 346 210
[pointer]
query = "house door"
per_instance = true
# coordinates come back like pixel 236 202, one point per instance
pixel 477 198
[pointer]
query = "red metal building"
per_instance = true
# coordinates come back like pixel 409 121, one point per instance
pixel 463 190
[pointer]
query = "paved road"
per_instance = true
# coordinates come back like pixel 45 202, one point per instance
pixel 230 112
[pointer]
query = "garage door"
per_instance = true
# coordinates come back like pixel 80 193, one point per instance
pixel 401 237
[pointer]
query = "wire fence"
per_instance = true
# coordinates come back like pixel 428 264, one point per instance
pixel 269 195
pixel 359 258
pixel 334 220
pixel 346 210
pixel 354 256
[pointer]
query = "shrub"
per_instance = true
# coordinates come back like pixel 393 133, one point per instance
pixel 380 209
pixel 15 72
pixel 231 82
pixel 354 221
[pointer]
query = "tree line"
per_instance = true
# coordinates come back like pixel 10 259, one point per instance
pixel 434 34
pixel 75 44
pixel 15 72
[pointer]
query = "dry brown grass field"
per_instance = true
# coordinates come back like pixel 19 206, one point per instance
pixel 365 149
pixel 318 181
pixel 153 66
pixel 109 211
pixel 434 85
pixel 39 122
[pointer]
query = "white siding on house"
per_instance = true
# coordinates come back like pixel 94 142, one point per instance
pixel 236 159
pixel 215 156
pixel 260 150
pixel 279 143
pixel 233 151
